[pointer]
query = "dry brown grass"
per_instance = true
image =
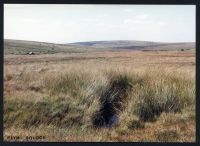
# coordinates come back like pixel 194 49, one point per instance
pixel 61 79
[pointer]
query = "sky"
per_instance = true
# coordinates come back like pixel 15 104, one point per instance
pixel 78 23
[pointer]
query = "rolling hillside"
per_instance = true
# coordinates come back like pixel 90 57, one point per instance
pixel 24 47
pixel 115 44
pixel 136 45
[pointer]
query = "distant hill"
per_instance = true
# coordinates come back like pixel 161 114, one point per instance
pixel 24 47
pixel 136 45
pixel 115 44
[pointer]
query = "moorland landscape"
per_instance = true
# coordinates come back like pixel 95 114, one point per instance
pixel 121 90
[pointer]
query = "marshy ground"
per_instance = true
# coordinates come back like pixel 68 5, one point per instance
pixel 101 96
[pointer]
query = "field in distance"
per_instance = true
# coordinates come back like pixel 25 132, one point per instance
pixel 100 93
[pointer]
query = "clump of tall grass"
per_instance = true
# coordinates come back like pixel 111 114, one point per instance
pixel 57 112
pixel 161 92
pixel 68 83
pixel 167 136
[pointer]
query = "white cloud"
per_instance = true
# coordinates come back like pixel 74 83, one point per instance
pixel 91 20
pixel 30 20
pixel 128 21
pixel 100 24
pixel 161 23
pixel 137 21
pixel 142 16
pixel 128 10
pixel 103 15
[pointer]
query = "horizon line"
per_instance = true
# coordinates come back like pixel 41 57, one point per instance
pixel 97 41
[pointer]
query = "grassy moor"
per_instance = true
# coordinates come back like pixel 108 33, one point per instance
pixel 100 91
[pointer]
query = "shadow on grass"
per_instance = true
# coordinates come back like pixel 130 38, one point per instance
pixel 112 102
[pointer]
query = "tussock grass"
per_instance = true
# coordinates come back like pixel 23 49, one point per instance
pixel 57 112
pixel 136 124
pixel 77 98
pixel 167 136
pixel 164 93
pixel 150 96
pixel 69 83
pixel 120 101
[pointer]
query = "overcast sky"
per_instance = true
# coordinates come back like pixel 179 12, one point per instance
pixel 77 23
